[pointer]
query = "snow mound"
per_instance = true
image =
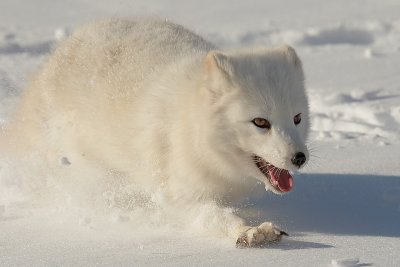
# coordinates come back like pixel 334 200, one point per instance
pixel 338 35
pixel 357 114
pixel 33 49
pixel 345 262
pixel 11 43
pixel 379 36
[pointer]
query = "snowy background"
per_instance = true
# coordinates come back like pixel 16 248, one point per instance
pixel 345 207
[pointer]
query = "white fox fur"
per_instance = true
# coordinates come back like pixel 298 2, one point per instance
pixel 155 101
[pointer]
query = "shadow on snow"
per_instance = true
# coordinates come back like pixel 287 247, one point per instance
pixel 341 204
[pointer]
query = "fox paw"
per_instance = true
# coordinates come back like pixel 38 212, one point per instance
pixel 259 236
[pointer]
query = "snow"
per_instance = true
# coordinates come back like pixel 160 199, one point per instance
pixel 345 207
pixel 345 262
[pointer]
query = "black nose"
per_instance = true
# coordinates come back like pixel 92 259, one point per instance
pixel 299 159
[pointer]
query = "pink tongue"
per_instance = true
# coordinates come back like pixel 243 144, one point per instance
pixel 280 178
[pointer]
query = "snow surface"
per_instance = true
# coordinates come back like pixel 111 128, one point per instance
pixel 345 208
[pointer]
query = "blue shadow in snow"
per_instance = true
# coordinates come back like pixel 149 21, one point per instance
pixel 343 204
pixel 32 49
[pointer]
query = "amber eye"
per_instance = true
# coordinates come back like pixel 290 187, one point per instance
pixel 262 123
pixel 297 119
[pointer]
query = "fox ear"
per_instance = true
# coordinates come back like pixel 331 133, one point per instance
pixel 217 61
pixel 292 56
pixel 218 73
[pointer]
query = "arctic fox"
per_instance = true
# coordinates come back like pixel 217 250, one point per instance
pixel 154 100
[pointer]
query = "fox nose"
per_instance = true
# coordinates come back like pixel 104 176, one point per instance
pixel 299 159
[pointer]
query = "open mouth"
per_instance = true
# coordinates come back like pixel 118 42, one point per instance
pixel 280 179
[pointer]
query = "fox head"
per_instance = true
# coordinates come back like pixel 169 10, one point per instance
pixel 259 109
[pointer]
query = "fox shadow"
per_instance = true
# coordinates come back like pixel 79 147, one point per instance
pixel 340 204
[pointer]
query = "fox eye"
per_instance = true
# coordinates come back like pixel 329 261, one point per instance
pixel 262 123
pixel 297 119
